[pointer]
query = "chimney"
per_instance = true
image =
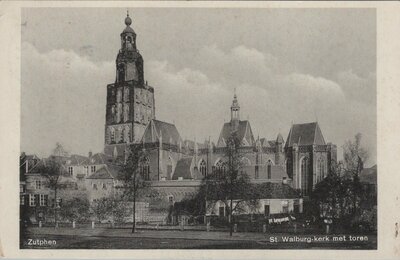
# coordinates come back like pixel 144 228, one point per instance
pixel 90 154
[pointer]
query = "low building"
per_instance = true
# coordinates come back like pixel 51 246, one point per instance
pixel 272 198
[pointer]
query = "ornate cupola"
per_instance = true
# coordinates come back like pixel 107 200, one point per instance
pixel 129 61
pixel 235 109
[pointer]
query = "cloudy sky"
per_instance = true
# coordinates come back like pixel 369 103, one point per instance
pixel 287 65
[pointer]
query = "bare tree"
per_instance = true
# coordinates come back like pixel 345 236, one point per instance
pixel 229 183
pixel 340 194
pixel 134 182
pixel 354 154
pixel 52 170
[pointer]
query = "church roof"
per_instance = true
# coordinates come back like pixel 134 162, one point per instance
pixel 279 139
pixel 305 134
pixel 244 133
pixel 182 169
pixel 267 143
pixel 158 129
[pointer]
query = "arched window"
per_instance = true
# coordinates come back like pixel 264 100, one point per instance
pixel 269 169
pixel 304 176
pixel 126 94
pixel 219 169
pixel 126 112
pixel 145 169
pixel 203 168
pixel 127 133
pixel 121 73
pixel 321 167
pixel 169 168
pixel 119 112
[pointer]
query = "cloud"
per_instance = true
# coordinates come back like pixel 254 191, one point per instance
pixel 64 94
pixel 63 99
pixel 198 97
pixel 358 88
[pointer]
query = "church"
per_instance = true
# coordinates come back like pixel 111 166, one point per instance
pixel 177 166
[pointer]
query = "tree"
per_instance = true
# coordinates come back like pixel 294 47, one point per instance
pixel 59 150
pixel 134 183
pixel 101 208
pixel 355 155
pixel 229 183
pixel 340 194
pixel 52 170
pixel 75 209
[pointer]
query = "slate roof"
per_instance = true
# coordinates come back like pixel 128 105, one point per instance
pixel 305 134
pixel 271 190
pixel 266 190
pixel 76 159
pixel 128 29
pixel 100 158
pixel 243 132
pixel 369 175
pixel 190 144
pixel 109 171
pixel 158 129
pixel 182 169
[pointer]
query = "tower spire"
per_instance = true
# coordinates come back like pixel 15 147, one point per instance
pixel 235 108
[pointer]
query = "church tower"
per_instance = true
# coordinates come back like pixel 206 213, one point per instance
pixel 130 101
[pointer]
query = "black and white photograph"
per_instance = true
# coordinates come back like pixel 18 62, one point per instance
pixel 198 128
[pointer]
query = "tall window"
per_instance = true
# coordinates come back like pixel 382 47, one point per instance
pixel 169 168
pixel 112 135
pixel 127 134
pixel 145 169
pixel 126 112
pixel 70 170
pixel 269 170
pixel 203 168
pixel 126 94
pixel 266 210
pixel 43 200
pixel 93 168
pixel 303 175
pixel 38 184
pixel 31 200
pixel 219 169
pixel 321 167
pixel 86 170
pixel 94 185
